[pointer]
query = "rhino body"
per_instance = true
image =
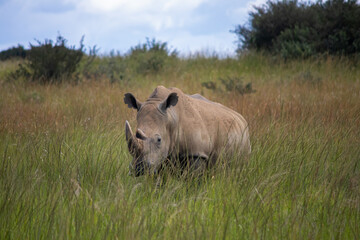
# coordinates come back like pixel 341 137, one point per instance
pixel 175 128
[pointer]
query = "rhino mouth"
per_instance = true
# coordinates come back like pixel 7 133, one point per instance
pixel 139 171
pixel 143 168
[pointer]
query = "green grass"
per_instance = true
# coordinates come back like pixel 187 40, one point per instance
pixel 64 160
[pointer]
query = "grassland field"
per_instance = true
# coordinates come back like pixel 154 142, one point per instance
pixel 64 159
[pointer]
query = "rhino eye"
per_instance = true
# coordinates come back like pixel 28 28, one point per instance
pixel 158 139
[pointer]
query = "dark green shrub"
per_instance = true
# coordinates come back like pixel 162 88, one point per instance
pixel 296 29
pixel 209 85
pixel 150 57
pixel 50 62
pixel 236 84
pixel 14 52
pixel 230 84
pixel 295 43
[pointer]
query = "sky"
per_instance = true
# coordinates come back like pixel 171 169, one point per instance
pixel 188 26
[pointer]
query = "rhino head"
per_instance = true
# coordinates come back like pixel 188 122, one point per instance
pixel 150 144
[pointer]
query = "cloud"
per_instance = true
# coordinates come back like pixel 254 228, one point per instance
pixel 137 6
pixel 188 25
pixel 157 14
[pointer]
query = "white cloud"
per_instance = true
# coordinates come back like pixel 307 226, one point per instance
pixel 158 14
pixel 137 6
pixel 101 6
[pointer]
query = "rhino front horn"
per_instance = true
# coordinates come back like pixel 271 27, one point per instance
pixel 133 143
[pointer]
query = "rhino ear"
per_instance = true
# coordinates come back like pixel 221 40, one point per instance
pixel 131 101
pixel 171 100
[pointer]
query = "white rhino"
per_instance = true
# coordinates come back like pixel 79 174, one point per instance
pixel 181 130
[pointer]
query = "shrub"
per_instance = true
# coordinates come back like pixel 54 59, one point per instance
pixel 49 63
pixel 230 84
pixel 18 52
pixel 112 67
pixel 151 56
pixel 236 84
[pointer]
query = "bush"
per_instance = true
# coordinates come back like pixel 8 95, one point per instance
pixel 51 63
pixel 151 56
pixel 230 84
pixel 111 67
pixel 296 29
pixel 147 58
pixel 13 52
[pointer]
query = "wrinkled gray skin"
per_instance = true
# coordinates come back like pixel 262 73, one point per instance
pixel 172 126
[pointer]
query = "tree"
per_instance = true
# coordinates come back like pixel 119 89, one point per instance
pixel 297 29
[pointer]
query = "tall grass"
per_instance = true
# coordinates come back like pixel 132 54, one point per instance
pixel 64 160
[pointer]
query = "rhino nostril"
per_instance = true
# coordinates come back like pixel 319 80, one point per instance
pixel 147 165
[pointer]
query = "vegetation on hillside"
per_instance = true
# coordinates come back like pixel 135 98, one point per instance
pixel 50 62
pixel 150 58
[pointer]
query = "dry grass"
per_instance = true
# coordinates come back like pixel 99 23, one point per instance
pixel 331 102
pixel 63 173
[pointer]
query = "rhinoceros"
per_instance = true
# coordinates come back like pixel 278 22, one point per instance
pixel 173 128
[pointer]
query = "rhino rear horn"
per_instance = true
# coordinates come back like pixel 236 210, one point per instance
pixel 133 143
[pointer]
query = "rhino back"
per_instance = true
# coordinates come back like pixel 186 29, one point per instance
pixel 207 127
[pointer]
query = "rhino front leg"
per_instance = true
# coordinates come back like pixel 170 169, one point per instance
pixel 195 166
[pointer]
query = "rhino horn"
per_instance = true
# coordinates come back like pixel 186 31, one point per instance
pixel 140 135
pixel 133 143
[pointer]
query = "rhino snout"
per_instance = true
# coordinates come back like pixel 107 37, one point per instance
pixel 142 168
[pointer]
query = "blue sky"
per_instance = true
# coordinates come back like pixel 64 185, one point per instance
pixel 187 25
